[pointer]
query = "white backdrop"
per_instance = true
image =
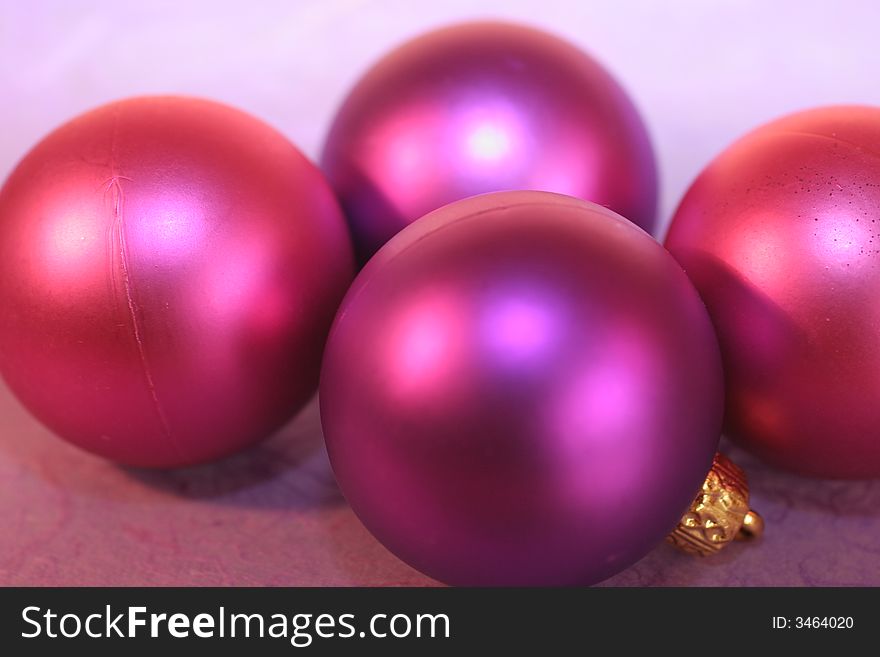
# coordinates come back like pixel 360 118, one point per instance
pixel 701 71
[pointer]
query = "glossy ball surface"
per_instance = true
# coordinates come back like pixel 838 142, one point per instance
pixel 169 268
pixel 521 388
pixel 484 107
pixel 781 236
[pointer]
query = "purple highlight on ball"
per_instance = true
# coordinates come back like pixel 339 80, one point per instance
pixel 484 107
pixel 521 388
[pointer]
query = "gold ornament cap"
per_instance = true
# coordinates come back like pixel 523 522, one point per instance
pixel 720 512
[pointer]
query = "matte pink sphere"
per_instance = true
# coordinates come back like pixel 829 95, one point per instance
pixel 483 107
pixel 781 236
pixel 169 268
pixel 521 388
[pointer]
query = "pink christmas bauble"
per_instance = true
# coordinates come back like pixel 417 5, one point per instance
pixel 781 236
pixel 169 268
pixel 521 388
pixel 483 107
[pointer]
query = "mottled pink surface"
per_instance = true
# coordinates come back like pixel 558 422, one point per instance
pixel 779 234
pixel 273 516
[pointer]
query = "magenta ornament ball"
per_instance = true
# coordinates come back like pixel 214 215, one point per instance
pixel 521 388
pixel 169 269
pixel 484 107
pixel 781 236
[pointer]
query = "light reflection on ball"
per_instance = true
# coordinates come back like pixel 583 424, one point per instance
pixel 483 107
pixel 521 388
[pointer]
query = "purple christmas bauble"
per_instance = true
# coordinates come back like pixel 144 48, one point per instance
pixel 485 107
pixel 521 388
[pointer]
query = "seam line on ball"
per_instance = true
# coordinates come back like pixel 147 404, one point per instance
pixel 833 138
pixel 571 201
pixel 117 237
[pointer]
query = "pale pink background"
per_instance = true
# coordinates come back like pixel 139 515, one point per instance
pixel 701 72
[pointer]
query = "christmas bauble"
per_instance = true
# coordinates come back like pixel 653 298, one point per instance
pixel 483 107
pixel 169 268
pixel 521 388
pixel 781 236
